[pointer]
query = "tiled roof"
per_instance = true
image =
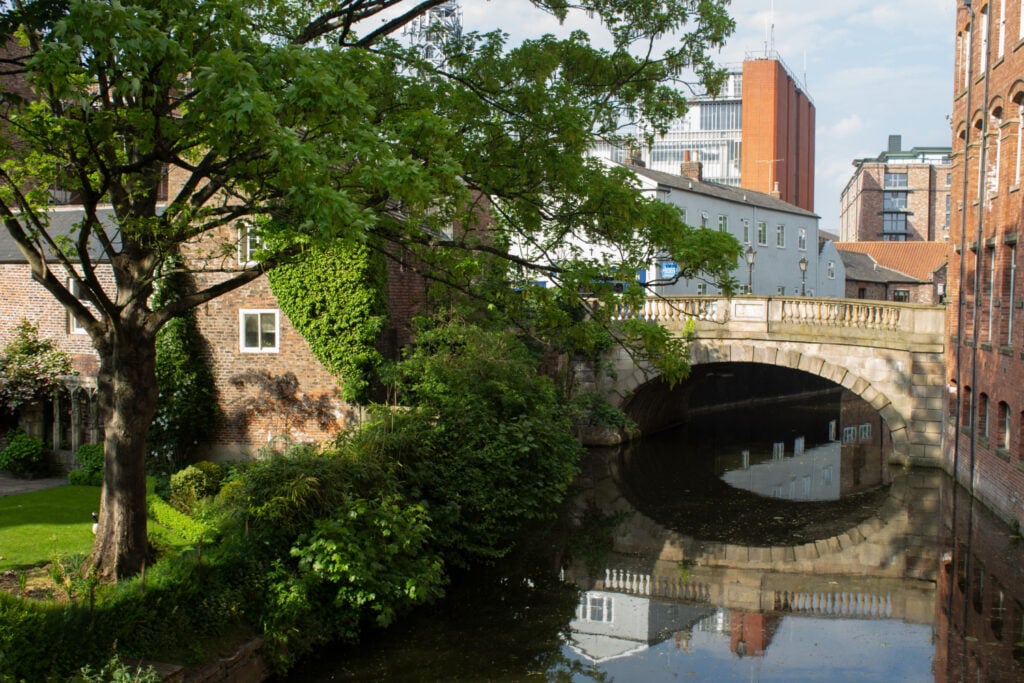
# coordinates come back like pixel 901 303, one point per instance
pixel 62 222
pixel 738 195
pixel 917 259
pixel 862 268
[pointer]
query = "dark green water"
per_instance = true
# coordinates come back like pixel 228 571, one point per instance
pixel 681 558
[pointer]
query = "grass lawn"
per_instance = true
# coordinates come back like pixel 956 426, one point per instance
pixel 36 526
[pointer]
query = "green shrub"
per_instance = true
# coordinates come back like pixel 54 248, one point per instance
pixel 179 524
pixel 194 483
pixel 90 465
pixel 117 671
pixel 23 454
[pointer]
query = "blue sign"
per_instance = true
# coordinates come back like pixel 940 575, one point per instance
pixel 669 269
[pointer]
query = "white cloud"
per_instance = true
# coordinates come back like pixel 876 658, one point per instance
pixel 845 127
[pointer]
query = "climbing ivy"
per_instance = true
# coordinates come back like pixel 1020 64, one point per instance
pixel 187 409
pixel 336 299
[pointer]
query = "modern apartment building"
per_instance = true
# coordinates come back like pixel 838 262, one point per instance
pixel 898 196
pixel 985 355
pixel 758 133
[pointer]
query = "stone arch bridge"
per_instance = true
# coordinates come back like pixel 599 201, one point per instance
pixel 890 354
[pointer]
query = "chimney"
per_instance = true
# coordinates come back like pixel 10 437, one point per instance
pixel 691 169
pixel 775 191
pixel 895 143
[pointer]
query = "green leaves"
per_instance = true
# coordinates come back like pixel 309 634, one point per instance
pixel 30 368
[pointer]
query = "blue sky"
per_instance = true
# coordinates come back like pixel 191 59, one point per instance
pixel 872 68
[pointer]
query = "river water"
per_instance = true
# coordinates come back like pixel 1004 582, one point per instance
pixel 766 542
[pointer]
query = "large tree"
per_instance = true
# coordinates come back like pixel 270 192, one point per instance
pixel 306 119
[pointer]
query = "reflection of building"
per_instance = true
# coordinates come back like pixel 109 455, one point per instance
pixel 979 624
pixel 609 625
pixel 899 196
pixel 751 633
pixel 812 474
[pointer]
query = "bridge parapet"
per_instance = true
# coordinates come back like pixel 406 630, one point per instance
pixel 882 324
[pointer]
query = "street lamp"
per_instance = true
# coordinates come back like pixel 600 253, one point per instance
pixel 803 275
pixel 750 256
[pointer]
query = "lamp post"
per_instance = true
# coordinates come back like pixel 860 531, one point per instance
pixel 750 256
pixel 803 275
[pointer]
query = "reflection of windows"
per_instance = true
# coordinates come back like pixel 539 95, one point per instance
pixel 894 201
pixel 595 608
pixel 894 227
pixel 864 432
pixel 826 475
pixel 258 331
pixel 849 434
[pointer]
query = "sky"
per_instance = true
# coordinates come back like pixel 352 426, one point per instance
pixel 873 69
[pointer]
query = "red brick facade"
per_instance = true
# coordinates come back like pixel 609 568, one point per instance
pixel 985 361
pixel 778 134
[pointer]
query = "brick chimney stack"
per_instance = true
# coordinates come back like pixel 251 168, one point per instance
pixel 691 169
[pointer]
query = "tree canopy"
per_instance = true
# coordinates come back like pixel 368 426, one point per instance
pixel 307 120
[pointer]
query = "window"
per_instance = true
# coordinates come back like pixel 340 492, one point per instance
pixel 895 180
pixel 983 411
pixel 703 219
pixel 1020 132
pixel 682 212
pixel 983 57
pixel 994 149
pixel 746 231
pixel 595 608
pixel 762 233
pixel 74 327
pixel 723 223
pixel 801 239
pixel 780 236
pixel 780 290
pixel 826 475
pixel 1002 29
pixel 849 434
pixel 258 331
pixel 894 227
pixel 1011 286
pixel 949 206
pixel 702 288
pixel 949 179
pixel 864 432
pixel 965 409
pixel 894 201
pixel 831 270
pixel 862 293
pixel 901 295
pixel 248 244
pixel 991 288
pixel 1004 426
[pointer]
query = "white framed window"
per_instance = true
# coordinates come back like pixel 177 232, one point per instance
pixel 780 236
pixel 849 434
pixel 702 288
pixel 831 270
pixel 75 327
pixel 703 219
pixel 746 231
pixel 762 233
pixel 801 239
pixel 258 331
pixel 249 243
pixel 596 608
pixel 864 432
pixel 1002 29
pixel 723 223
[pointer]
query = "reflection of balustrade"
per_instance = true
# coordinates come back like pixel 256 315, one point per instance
pixel 841 604
pixel 625 581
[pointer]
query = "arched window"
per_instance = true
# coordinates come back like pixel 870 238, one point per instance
pixel 993 149
pixel 1018 100
pixel 1004 426
pixel 983 415
pixel 965 408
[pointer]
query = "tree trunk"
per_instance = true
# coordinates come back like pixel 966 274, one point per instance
pixel 127 396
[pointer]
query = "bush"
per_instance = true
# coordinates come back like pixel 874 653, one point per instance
pixel 194 483
pixel 179 524
pixel 90 465
pixel 22 455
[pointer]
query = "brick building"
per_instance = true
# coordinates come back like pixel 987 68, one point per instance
pixel 912 272
pixel 758 133
pixel 985 357
pixel 898 196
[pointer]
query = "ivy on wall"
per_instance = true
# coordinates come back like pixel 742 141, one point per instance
pixel 187 409
pixel 336 299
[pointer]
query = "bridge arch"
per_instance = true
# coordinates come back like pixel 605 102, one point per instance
pixel 710 351
pixel 889 354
